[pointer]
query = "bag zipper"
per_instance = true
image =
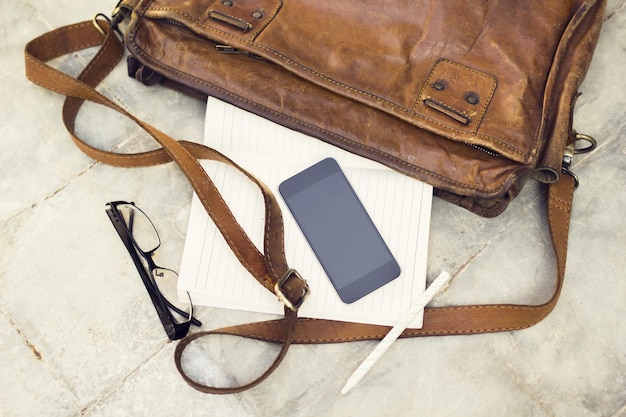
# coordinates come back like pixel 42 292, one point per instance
pixel 173 22
pixel 484 150
pixel 223 49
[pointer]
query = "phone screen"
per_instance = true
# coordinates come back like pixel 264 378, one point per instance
pixel 339 230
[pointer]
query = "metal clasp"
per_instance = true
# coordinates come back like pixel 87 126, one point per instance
pixel 575 149
pixel 118 14
pixel 568 158
pixel 227 49
pixel 278 289
pixel 112 25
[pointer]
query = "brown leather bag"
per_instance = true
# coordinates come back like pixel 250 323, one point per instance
pixel 473 98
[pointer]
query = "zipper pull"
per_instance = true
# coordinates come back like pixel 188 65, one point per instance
pixel 227 49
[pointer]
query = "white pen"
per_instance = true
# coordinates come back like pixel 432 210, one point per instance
pixel 417 306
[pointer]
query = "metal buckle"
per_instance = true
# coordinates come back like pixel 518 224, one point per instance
pixel 281 295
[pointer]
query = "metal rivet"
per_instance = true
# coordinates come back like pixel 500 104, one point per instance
pixel 439 85
pixel 472 98
pixel 257 15
pixel 227 3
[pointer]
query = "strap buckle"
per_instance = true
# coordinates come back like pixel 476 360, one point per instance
pixel 278 289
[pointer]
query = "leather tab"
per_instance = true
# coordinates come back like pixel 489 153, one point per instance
pixel 239 17
pixel 456 96
pixel 141 73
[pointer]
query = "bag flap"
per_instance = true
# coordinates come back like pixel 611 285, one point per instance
pixel 474 73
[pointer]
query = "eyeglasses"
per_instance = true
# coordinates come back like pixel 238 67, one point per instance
pixel 141 240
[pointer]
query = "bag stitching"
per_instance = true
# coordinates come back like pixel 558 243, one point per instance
pixel 338 83
pixel 412 167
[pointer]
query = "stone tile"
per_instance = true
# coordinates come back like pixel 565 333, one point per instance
pixel 28 387
pixel 156 389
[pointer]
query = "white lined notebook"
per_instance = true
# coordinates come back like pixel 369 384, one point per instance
pixel 399 206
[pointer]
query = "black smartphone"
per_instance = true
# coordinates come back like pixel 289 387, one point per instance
pixel 339 230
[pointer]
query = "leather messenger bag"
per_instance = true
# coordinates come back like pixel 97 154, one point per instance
pixel 473 98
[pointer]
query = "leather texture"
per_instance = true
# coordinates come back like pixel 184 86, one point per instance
pixel 469 97
pixel 436 141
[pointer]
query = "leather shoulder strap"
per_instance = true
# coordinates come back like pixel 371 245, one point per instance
pixel 270 267
pixel 441 321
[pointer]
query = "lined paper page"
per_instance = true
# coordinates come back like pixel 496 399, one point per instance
pixel 398 205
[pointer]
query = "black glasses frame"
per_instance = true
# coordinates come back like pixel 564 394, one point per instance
pixel 162 305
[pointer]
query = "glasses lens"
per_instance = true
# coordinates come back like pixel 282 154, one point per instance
pixel 179 303
pixel 144 234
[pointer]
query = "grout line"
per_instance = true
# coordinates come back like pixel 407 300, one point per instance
pixel 115 386
pixel 36 353
pixel 39 357
pixel 473 257
pixel 50 195
pixel 526 388
pixel 71 181
pixel 92 163
pixel 614 12
pixel 17 213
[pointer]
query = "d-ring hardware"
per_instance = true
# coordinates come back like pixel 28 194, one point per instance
pixel 575 149
pixel 592 143
pixel 111 25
